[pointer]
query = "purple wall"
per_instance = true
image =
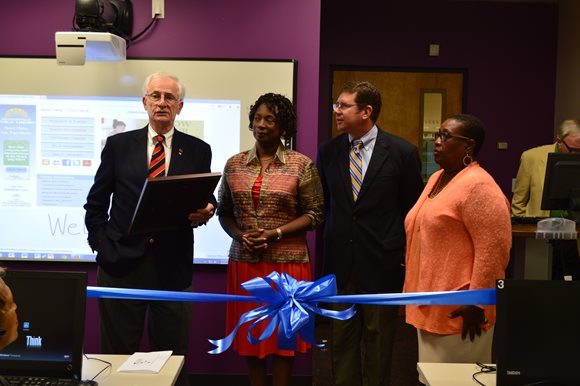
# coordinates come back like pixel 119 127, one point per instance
pixel 260 29
pixel 508 50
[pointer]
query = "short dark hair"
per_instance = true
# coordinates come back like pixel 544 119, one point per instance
pixel 283 111
pixel 366 95
pixel 471 127
pixel 118 123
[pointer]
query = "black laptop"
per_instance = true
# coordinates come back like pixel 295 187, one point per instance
pixel 51 315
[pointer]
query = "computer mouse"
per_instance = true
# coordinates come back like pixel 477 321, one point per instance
pixel 88 382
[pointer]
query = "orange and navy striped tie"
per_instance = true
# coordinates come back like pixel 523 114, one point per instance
pixel 157 164
pixel 355 168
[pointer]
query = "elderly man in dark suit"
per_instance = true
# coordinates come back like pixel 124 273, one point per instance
pixel 370 180
pixel 159 261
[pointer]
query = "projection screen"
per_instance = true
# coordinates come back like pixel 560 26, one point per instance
pixel 54 121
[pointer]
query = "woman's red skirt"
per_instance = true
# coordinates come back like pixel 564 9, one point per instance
pixel 240 272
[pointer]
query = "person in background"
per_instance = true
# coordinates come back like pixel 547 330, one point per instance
pixel 158 261
pixel 529 184
pixel 364 237
pixel 458 238
pixel 8 316
pixel 527 195
pixel 269 197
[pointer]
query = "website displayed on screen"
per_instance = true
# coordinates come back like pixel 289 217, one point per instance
pixel 51 150
pixel 50 147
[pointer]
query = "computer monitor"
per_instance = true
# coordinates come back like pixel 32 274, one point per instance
pixel 562 184
pixel 51 316
pixel 537 335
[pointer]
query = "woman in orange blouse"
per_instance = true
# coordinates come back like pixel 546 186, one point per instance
pixel 458 238
pixel 270 196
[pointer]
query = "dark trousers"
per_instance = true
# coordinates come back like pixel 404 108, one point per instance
pixel 122 322
pixel 362 345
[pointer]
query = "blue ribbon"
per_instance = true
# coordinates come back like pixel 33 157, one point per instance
pixel 291 305
pixel 140 294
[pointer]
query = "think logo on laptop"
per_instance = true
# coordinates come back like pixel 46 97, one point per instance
pixel 51 315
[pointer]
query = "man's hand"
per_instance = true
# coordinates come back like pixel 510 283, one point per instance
pixel 201 216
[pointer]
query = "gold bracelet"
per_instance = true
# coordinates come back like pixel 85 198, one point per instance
pixel 279 231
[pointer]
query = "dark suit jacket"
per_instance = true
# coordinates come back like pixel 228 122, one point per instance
pixel 122 173
pixel 367 238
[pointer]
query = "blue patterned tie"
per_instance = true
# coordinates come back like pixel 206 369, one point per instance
pixel 356 168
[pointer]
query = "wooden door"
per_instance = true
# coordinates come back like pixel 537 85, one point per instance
pixel 403 93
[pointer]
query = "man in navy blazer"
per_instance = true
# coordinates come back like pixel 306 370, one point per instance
pixel 364 237
pixel 159 261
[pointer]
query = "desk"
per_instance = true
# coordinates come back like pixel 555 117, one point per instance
pixel 453 374
pixel 532 257
pixel 111 377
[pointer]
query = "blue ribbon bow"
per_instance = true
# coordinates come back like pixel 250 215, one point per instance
pixel 290 305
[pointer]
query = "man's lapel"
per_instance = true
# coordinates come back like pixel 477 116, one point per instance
pixel 379 157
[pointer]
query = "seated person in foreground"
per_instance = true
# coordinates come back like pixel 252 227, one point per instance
pixel 8 317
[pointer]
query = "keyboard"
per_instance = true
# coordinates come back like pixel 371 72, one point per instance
pixel 37 381
pixel 526 220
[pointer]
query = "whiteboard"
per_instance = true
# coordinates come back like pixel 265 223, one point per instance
pixel 45 176
pixel 243 80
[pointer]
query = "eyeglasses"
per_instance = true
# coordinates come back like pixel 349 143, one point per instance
pixel 445 135
pixel 168 98
pixel 570 149
pixel 342 106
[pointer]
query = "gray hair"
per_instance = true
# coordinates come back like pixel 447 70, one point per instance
pixel 156 75
pixel 567 127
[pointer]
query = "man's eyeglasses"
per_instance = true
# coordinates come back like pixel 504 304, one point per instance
pixel 342 106
pixel 445 135
pixel 157 96
pixel 570 149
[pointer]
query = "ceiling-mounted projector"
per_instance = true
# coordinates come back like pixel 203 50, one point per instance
pixel 74 48
pixel 101 33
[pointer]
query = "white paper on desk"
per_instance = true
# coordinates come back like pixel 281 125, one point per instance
pixel 145 362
